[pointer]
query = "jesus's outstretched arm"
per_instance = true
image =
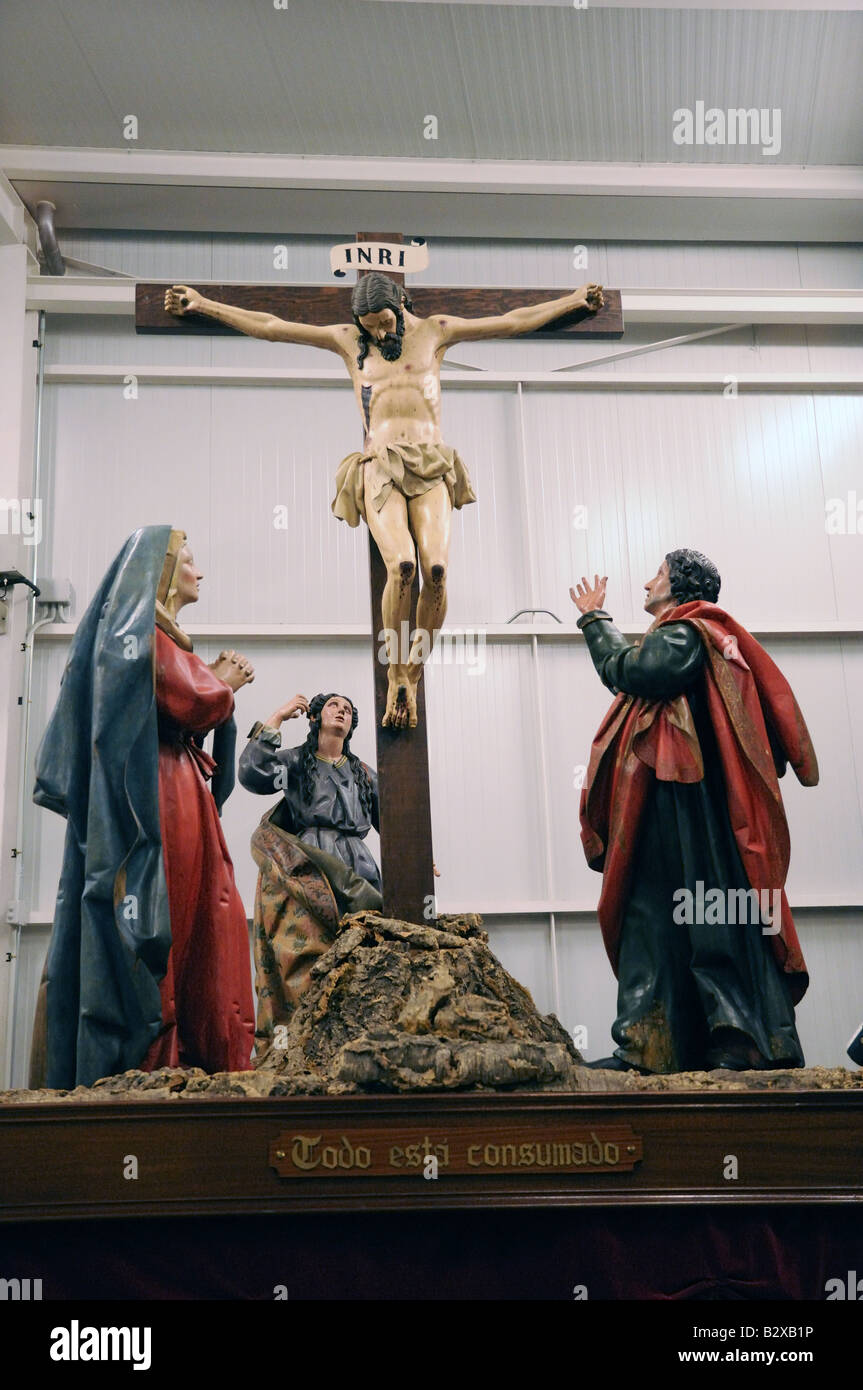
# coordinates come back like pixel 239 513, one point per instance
pixel 336 337
pixel 524 320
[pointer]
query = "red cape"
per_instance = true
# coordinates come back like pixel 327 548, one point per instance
pixel 759 729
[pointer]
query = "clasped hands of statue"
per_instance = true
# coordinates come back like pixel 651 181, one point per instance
pixel 232 668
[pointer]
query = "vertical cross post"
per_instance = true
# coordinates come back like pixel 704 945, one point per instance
pixel 407 866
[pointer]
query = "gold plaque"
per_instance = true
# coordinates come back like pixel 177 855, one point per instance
pixel 480 1149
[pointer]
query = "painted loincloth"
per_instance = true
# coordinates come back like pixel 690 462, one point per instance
pixel 302 893
pixel 410 468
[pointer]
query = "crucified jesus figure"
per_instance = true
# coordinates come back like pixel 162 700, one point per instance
pixel 406 481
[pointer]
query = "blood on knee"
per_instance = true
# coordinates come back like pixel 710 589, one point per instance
pixel 438 574
pixel 407 570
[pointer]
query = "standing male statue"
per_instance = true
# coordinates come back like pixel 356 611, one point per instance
pixel 406 481
pixel 682 814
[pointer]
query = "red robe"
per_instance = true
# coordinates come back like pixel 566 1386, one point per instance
pixel 207 1004
pixel 639 739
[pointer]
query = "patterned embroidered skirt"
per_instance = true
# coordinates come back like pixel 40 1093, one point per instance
pixel 302 893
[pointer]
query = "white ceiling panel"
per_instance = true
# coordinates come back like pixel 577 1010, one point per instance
pixel 524 86
pixel 326 77
pixel 837 112
pixel 733 60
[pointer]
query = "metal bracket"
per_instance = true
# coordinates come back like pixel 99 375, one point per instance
pixel 521 612
pixel 9 578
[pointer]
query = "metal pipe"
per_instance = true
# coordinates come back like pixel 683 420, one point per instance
pixel 651 347
pixel 545 817
pixel 32 627
pixel 48 238
pixel 539 721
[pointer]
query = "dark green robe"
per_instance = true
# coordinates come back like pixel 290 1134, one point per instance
pixel 681 986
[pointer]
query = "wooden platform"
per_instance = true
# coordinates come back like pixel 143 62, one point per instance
pixel 365 1153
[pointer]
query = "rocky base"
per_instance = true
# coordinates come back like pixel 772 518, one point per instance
pixel 394 1006
pixel 179 1083
pixel 397 1007
pixel 790 1079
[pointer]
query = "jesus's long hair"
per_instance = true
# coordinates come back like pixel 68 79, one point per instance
pixel 371 295
pixel 309 762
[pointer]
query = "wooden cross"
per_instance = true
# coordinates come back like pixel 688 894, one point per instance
pixel 402 757
pixel 407 863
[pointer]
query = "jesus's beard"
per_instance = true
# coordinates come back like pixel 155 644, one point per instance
pixel 391 347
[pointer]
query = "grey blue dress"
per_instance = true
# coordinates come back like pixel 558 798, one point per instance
pixel 334 820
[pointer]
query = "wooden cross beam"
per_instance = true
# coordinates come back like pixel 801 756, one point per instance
pixel 323 304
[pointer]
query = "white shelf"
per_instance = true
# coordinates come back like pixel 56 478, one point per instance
pixel 543 909
pixel 568 378
pixel 494 632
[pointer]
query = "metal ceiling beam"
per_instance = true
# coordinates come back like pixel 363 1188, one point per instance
pixel 784 383
pixel 95 295
pixel 85 294
pixel 16 224
pixel 203 170
pixel 654 4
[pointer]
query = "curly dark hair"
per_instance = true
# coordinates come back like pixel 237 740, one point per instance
pixel 371 295
pixel 692 576
pixel 309 762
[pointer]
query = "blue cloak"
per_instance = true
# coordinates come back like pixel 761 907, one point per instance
pixel 98 766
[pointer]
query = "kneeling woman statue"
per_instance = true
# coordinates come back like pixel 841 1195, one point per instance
pixel 310 848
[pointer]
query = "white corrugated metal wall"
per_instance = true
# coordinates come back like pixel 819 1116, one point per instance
pixel 744 478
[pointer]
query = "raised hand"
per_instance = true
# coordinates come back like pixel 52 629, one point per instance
pixel 586 597
pixel 232 668
pixel 180 300
pixel 292 709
